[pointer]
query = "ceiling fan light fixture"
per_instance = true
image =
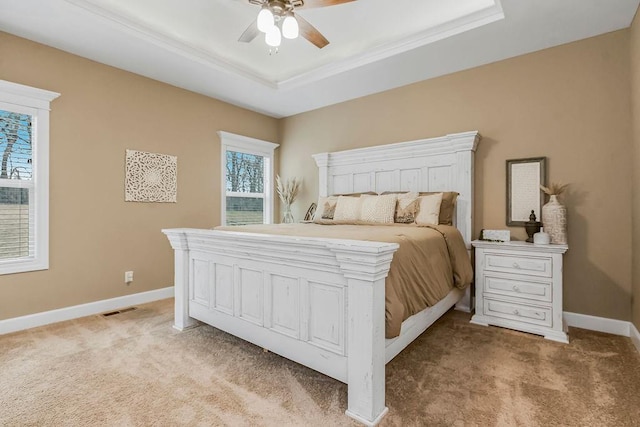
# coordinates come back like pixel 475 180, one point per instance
pixel 273 37
pixel 290 28
pixel 265 20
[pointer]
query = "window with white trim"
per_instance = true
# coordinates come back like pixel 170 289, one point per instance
pixel 24 177
pixel 247 180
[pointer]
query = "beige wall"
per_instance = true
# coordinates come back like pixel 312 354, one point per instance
pixel 635 99
pixel 95 235
pixel 570 103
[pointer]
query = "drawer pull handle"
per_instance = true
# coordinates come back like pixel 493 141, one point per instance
pixel 515 265
pixel 516 288
pixel 516 312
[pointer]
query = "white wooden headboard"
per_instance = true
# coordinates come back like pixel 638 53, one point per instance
pixel 434 164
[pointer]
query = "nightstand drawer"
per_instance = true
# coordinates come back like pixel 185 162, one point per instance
pixel 521 313
pixel 532 266
pixel 533 290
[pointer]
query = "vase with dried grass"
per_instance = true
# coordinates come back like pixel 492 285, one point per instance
pixel 554 214
pixel 287 191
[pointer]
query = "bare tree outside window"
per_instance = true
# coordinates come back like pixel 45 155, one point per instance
pixel 245 188
pixel 245 172
pixel 16 164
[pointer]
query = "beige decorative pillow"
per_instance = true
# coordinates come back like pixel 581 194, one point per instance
pixel 447 207
pixel 429 209
pixel 378 209
pixel 406 208
pixel 348 209
pixel 326 208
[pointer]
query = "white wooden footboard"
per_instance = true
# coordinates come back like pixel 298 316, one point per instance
pixel 319 302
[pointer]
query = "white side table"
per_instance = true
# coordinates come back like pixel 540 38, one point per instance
pixel 519 286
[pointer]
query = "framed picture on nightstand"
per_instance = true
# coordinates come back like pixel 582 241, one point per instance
pixel 524 178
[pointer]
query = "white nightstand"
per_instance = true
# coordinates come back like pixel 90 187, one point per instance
pixel 519 286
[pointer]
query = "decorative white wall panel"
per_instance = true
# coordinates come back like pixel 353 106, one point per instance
pixel 150 177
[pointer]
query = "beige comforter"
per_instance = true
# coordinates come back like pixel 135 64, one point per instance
pixel 429 262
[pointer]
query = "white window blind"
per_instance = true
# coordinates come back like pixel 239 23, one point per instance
pixel 24 177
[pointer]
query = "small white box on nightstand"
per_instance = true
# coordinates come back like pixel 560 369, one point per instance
pixel 496 235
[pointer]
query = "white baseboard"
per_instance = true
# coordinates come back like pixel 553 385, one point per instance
pixel 600 324
pixel 39 319
pixel 635 336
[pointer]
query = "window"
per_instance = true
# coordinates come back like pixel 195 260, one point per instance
pixel 247 179
pixel 24 178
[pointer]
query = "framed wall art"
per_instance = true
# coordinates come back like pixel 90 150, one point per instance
pixel 150 177
pixel 524 178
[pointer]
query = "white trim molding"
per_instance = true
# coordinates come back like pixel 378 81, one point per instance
pixel 68 313
pixel 600 324
pixel 603 324
pixel 492 12
pixel 244 144
pixel 635 336
pixel 36 103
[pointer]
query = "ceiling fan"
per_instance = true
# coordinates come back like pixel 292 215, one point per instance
pixel 277 19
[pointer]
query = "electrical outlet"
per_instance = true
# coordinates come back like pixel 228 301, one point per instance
pixel 128 277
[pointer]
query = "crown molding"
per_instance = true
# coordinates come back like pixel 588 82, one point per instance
pixel 431 35
pixel 138 29
pixel 157 38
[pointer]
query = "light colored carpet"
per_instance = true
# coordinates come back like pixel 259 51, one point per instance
pixel 133 369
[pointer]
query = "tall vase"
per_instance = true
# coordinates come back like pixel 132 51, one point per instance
pixel 287 217
pixel 554 220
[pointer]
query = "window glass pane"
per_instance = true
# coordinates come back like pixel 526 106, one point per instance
pixel 14 222
pixel 15 145
pixel 245 210
pixel 245 172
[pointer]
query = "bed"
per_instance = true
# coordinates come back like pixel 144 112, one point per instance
pixel 321 301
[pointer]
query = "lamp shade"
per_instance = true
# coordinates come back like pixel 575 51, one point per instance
pixel 290 29
pixel 273 37
pixel 265 20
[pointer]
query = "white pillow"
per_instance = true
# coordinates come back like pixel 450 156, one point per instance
pixel 378 209
pixel 348 208
pixel 429 209
pixel 325 208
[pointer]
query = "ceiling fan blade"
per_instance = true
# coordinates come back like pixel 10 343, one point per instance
pixel 308 4
pixel 250 33
pixel 310 33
